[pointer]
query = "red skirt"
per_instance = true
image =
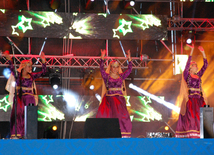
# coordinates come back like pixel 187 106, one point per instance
pixel 115 107
pixel 188 125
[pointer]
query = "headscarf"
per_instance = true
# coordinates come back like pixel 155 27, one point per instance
pixel 23 64
pixel 104 90
pixel 183 96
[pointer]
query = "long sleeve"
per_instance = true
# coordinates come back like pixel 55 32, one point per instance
pixel 125 74
pixel 12 68
pixel 102 70
pixel 39 74
pixel 186 70
pixel 204 67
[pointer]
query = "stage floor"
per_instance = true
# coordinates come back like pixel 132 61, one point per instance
pixel 123 146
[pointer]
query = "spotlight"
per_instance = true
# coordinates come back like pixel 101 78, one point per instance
pixel 91 87
pixel 157 99
pixel 55 4
pixel 132 3
pixel 51 132
pixel 166 128
pixel 189 37
pixel 54 128
pixel 189 41
pixel 6 73
pixel 127 4
pixel 98 97
pixel 55 78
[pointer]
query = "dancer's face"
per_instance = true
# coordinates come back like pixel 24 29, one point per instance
pixel 28 68
pixel 194 68
pixel 115 68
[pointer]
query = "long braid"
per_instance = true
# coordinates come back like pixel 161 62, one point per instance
pixel 20 82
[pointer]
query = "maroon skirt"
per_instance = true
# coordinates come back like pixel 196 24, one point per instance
pixel 115 107
pixel 25 101
pixel 188 125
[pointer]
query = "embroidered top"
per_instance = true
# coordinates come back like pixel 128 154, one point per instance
pixel 194 84
pixel 114 83
pixel 27 82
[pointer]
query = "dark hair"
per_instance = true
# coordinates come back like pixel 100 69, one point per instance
pixel 20 82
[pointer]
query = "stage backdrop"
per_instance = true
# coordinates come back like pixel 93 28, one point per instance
pixel 82 26
pixel 78 108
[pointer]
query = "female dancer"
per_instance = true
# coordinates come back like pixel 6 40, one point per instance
pixel 113 103
pixel 192 98
pixel 25 87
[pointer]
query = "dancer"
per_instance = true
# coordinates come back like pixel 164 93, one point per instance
pixel 26 91
pixel 113 103
pixel 191 98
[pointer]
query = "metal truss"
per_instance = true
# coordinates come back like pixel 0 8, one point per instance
pixel 197 24
pixel 70 61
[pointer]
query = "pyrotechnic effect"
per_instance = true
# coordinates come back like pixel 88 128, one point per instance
pixel 167 104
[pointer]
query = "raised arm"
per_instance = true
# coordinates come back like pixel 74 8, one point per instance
pixel 204 67
pixel 39 74
pixel 7 55
pixel 102 70
pixel 129 70
pixel 186 70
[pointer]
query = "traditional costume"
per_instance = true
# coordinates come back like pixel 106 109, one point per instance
pixel 26 92
pixel 191 98
pixel 113 103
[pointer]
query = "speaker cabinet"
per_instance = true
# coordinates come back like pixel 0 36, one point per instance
pixel 31 123
pixel 206 122
pixel 102 128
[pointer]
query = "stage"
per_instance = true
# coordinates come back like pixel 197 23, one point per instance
pixel 108 146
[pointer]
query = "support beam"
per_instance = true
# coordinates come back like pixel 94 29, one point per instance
pixel 70 61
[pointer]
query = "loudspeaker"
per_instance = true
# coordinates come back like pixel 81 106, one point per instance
pixel 206 122
pixel 31 123
pixel 102 128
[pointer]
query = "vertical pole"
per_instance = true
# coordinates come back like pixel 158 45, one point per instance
pixel 172 37
pixel 29 39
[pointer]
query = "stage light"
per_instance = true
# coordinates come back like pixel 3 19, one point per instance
pixel 166 128
pixel 55 4
pixel 91 87
pixel 127 4
pixel 6 73
pixel 54 128
pixel 132 3
pixel 51 132
pixel 189 41
pixel 98 97
pixel 55 78
pixel 70 98
pixel 189 37
pixel 157 99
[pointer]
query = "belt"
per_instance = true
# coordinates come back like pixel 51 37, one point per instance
pixel 25 88
pixel 114 89
pixel 195 89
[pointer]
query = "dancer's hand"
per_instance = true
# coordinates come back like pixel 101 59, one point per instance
pixel 201 49
pixel 192 48
pixel 7 55
pixel 42 57
pixel 129 55
pixel 103 53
